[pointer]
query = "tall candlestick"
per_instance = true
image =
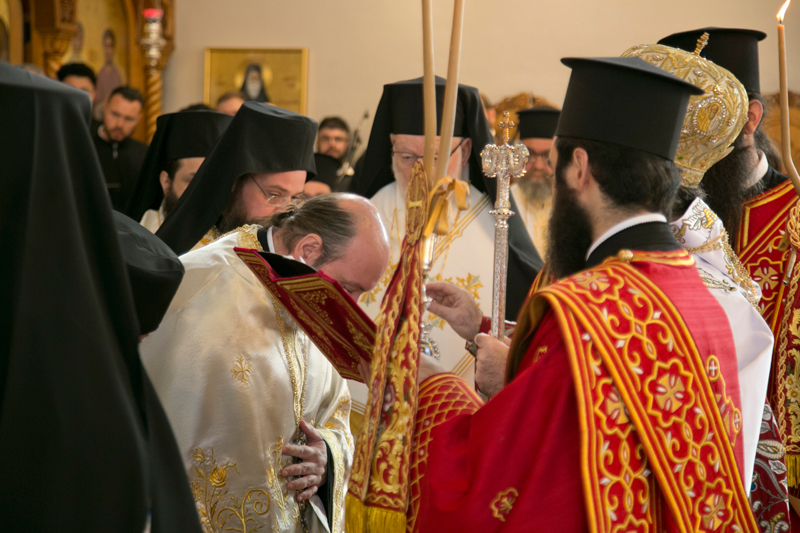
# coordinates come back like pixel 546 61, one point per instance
pixel 786 140
pixel 429 91
pixel 451 91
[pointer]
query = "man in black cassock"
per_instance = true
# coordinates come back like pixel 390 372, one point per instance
pixel 180 145
pixel 121 157
pixel 258 166
pixel 533 192
pixel 80 421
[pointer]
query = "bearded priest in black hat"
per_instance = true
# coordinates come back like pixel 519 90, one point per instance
pixel 180 145
pixel 258 166
pixel 620 402
pixel 758 205
pixel 465 254
pixel 533 192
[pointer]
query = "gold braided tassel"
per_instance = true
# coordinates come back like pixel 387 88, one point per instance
pixel 361 519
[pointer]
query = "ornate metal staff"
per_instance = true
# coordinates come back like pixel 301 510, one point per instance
pixel 504 163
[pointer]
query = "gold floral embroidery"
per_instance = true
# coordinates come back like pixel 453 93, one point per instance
pixel 794 327
pixel 315 299
pixel 275 479
pixel 242 370
pixel 501 506
pixel 210 491
pixel 341 412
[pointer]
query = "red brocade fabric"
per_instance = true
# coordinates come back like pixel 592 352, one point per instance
pixel 517 464
pixel 441 398
pixel 767 245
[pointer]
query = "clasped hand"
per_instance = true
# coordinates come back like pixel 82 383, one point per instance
pixel 314 466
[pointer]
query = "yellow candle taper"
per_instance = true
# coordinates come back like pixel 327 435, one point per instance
pixel 451 91
pixel 428 90
pixel 786 139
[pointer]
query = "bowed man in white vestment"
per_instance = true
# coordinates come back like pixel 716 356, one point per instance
pixel 243 386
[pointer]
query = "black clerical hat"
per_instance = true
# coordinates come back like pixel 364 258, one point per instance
pixel 178 136
pixel 261 139
pixel 153 268
pixel 538 122
pixel 625 101
pixel 401 111
pixel 731 48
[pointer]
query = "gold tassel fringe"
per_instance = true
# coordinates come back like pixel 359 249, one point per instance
pixel 360 518
pixel 793 470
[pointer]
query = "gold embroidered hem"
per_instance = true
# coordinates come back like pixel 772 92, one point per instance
pixel 339 483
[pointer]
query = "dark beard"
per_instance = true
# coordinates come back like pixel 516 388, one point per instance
pixel 235 214
pixel 170 199
pixel 726 189
pixel 570 232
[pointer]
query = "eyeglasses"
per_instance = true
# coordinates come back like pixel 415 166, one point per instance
pixel 407 159
pixel 533 156
pixel 275 200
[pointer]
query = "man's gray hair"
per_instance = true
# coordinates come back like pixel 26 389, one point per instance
pixel 322 215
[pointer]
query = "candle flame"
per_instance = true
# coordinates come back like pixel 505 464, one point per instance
pixel 782 12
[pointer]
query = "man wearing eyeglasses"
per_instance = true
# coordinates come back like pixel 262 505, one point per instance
pixel 534 191
pixel 465 255
pixel 258 166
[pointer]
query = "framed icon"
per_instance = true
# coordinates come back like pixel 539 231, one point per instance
pixel 270 75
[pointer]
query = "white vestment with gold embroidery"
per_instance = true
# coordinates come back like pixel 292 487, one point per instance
pixel 153 218
pixel 464 257
pixel 219 366
pixel 700 232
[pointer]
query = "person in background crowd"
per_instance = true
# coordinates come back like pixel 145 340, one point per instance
pixel 180 145
pixel 78 75
pixel 121 157
pixel 229 103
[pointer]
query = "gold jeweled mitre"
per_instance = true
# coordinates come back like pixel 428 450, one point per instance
pixel 713 120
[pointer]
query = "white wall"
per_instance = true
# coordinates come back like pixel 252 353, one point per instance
pixel 356 46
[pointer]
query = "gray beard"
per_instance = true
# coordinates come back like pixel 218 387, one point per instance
pixel 253 89
pixel 535 189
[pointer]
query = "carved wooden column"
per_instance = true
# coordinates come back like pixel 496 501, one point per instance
pixel 153 44
pixel 57 25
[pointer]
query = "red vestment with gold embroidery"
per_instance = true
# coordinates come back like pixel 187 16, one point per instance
pixel 578 442
pixel 767 220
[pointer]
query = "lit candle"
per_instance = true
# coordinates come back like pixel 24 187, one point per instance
pixel 451 90
pixel 786 140
pixel 429 91
pixel 153 13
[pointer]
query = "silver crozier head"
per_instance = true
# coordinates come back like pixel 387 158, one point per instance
pixel 505 160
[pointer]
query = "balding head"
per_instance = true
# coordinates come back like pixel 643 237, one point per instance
pixel 340 234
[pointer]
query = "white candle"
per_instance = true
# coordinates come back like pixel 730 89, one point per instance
pixel 786 140
pixel 451 91
pixel 428 90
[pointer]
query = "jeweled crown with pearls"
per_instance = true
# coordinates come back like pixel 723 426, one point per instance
pixel 713 120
